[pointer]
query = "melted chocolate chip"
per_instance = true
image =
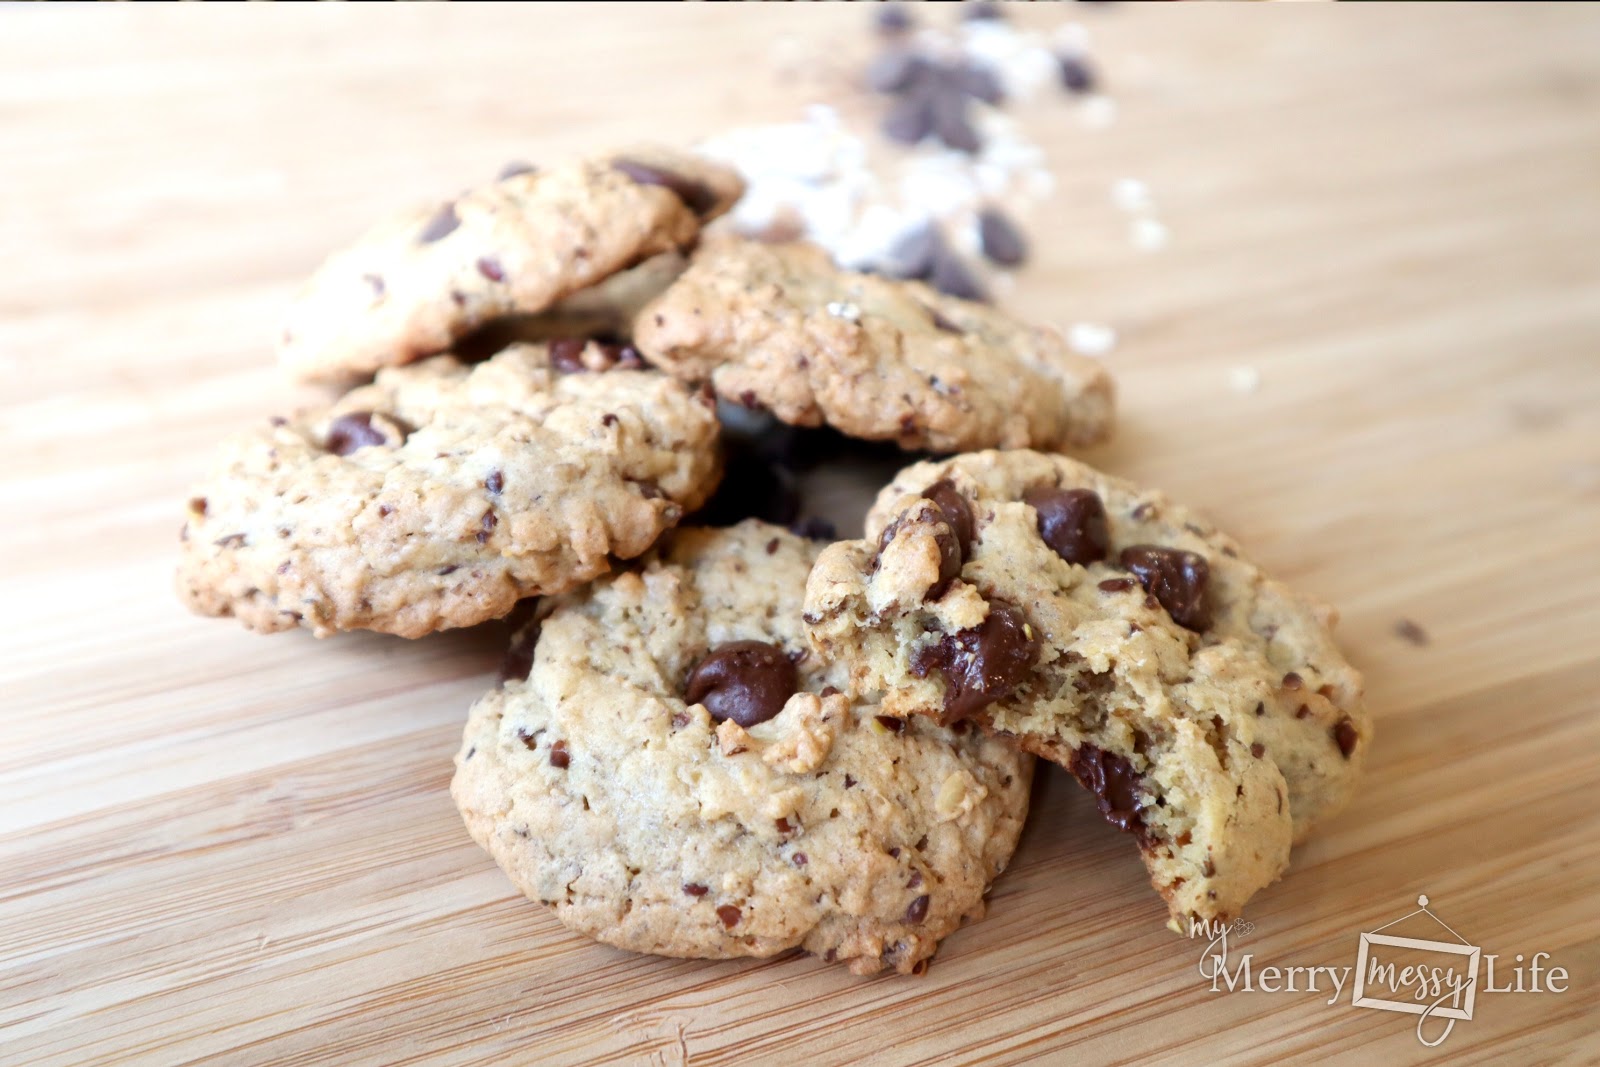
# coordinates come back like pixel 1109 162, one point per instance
pixel 490 268
pixel 1112 780
pixel 955 540
pixel 697 196
pixel 1000 239
pixel 566 354
pixel 746 681
pixel 1073 523
pixel 1344 735
pixel 917 910
pixel 983 664
pixel 559 757
pixel 695 889
pixel 729 915
pixel 352 431
pixel 1176 578
pixel 442 224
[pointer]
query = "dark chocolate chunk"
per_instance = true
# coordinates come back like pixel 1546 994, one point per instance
pixel 696 196
pixel 1073 523
pixel 729 915
pixel 917 910
pixel 560 759
pixel 352 431
pixel 913 252
pixel 695 889
pixel 890 723
pixel 1002 242
pixel 1112 780
pixel 983 664
pixel 1176 578
pixel 746 681
pixel 1344 735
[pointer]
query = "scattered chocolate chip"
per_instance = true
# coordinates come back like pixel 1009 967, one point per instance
pixel 1344 735
pixel 918 909
pixel 514 168
pixel 1258 750
pixel 490 268
pixel 486 526
pixel 980 83
pixel 952 122
pixel 1176 578
pixel 352 431
pixel 1410 631
pixel 1112 780
pixel 1000 239
pixel 746 681
pixel 890 723
pixel 1073 523
pixel 910 119
pixel 559 758
pixel 894 71
pixel 983 664
pixel 695 889
pixel 815 529
pixel 1076 74
pixel 697 196
pixel 892 19
pixel 566 354
pixel 982 11
pixel 912 253
pixel 729 915
pixel 920 968
pixel 799 859
pixel 1116 585
pixel 1292 681
pixel 952 277
pixel 442 224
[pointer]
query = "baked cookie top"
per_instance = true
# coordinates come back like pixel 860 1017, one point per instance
pixel 1116 633
pixel 419 281
pixel 675 774
pixel 442 493
pixel 778 326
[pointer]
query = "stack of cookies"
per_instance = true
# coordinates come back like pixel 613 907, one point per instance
pixel 718 742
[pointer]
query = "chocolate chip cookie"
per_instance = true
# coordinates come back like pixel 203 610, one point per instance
pixel 440 494
pixel 672 772
pixel 778 326
pixel 1114 632
pixel 417 282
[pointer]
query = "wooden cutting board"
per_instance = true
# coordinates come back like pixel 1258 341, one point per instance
pixel 223 848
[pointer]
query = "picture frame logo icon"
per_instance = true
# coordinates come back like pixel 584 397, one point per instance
pixel 1442 981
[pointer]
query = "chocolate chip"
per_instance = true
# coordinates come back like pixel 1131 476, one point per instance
pixel 849 782
pixel 529 738
pixel 695 889
pixel 1176 578
pixel 1210 869
pixel 1258 750
pixel 729 915
pixel 893 72
pixel 746 681
pixel 559 758
pixel 952 123
pixel 1072 522
pixel 892 19
pixel 514 168
pixel 1344 735
pixel 912 253
pixel 1001 240
pixel 942 323
pixel 918 909
pixel 1076 74
pixel 608 419
pixel 519 657
pixel 385 510
pixel 983 664
pixel 910 119
pixel 1116 585
pixel 198 505
pixel 619 354
pixel 915 880
pixel 1261 709
pixel 1292 681
pixel 784 826
pixel 979 82
pixel 1410 631
pixel 495 482
pixel 952 277
pixel 1303 711
pixel 490 268
pixel 443 223
pixel 699 197
pixel 352 431
pixel 890 723
pixel 443 571
pixel 486 526
pixel 982 11
pixel 799 859
pixel 566 354
pixel 1112 780
pixel 955 511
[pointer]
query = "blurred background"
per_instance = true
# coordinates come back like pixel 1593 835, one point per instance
pixel 1341 259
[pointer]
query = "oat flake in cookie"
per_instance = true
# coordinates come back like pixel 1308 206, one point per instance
pixel 416 283
pixel 441 494
pixel 780 327
pixel 615 782
pixel 1102 626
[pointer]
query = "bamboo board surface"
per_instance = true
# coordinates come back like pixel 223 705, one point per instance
pixel 222 848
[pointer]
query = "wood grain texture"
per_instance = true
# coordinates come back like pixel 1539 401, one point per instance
pixel 222 848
